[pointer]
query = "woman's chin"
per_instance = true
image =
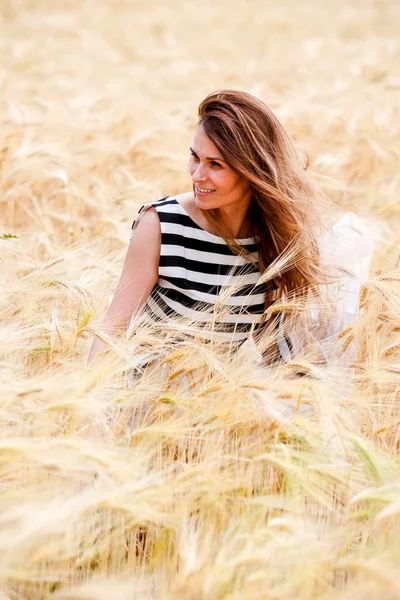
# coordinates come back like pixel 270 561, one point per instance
pixel 204 203
pixel 203 206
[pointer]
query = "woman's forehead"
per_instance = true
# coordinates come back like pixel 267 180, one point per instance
pixel 202 144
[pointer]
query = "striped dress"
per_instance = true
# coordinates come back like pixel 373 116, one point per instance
pixel 203 286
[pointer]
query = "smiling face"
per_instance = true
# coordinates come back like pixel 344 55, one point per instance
pixel 215 184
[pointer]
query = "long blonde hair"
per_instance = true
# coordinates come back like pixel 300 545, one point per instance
pixel 286 204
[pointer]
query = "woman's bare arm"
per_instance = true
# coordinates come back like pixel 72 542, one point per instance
pixel 139 274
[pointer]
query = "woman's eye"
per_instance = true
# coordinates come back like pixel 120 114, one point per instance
pixel 213 163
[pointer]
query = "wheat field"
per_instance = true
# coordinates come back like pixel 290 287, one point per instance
pixel 203 479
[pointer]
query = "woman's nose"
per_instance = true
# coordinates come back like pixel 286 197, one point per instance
pixel 198 174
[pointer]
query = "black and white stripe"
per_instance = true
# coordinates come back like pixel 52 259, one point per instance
pixel 202 281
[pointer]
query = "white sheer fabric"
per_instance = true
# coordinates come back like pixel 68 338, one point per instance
pixel 347 247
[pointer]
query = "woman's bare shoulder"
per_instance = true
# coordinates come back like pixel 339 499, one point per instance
pixel 148 219
pixel 146 233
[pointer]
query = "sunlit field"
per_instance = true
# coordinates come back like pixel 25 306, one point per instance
pixel 204 477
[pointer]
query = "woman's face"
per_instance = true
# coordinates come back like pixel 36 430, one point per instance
pixel 215 184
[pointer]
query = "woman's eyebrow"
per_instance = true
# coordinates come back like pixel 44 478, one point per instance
pixel 209 157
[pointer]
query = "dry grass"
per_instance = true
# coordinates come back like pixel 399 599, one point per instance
pixel 234 484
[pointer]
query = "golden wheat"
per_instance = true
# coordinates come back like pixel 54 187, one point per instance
pixel 204 476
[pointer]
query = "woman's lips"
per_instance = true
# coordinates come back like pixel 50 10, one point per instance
pixel 202 191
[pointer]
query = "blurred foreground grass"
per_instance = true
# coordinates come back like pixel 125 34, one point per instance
pixel 215 489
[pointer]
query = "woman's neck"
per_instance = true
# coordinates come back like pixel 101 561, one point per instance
pixel 234 220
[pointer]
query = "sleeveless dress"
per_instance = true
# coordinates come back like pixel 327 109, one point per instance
pixel 202 283
pixel 202 280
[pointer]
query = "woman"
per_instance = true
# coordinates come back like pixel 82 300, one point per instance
pixel 201 255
